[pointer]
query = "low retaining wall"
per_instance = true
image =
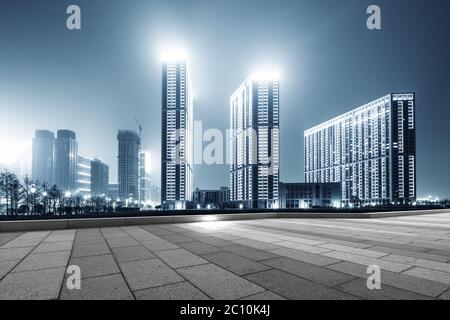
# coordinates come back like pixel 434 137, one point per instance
pixel 58 224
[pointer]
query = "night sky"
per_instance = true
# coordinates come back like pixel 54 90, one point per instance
pixel 94 80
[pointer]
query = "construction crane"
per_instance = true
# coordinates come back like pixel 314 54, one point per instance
pixel 140 128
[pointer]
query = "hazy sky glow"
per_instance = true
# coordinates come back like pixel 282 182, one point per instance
pixel 93 81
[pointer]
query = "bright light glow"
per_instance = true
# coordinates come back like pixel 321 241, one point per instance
pixel 260 76
pixel 148 162
pixel 209 218
pixel 9 152
pixel 68 194
pixel 174 55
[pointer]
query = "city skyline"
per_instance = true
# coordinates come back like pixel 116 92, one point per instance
pixel 304 106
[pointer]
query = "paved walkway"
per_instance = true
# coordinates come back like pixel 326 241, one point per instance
pixel 257 259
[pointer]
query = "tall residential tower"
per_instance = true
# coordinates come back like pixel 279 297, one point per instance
pixel 177 135
pixel 128 169
pixel 371 150
pixel 254 120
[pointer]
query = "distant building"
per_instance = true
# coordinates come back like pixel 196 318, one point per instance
pixel 43 157
pixel 66 157
pixel 224 197
pixel 113 191
pixel 254 170
pixel 211 199
pixel 177 135
pixel 144 176
pixel 83 176
pixel 371 150
pixel 128 158
pixel 155 196
pixel 206 199
pixel 310 195
pixel 99 178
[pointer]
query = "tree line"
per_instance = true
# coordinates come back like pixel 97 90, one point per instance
pixel 28 197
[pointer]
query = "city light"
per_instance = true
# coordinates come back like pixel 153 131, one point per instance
pixel 265 75
pixel 9 152
pixel 174 55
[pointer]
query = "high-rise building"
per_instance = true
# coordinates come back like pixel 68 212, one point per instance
pixel 99 178
pixel 144 176
pixel 43 157
pixel 371 150
pixel 128 158
pixel 113 191
pixel 155 196
pixel 83 176
pixel 177 135
pixel 66 156
pixel 254 120
pixel 310 195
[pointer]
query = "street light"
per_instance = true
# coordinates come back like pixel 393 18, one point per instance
pixel 33 192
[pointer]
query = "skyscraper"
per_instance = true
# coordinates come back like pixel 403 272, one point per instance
pixel 99 178
pixel 43 157
pixel 254 120
pixel 177 135
pixel 128 158
pixel 66 156
pixel 371 150
pixel 144 176
pixel 83 176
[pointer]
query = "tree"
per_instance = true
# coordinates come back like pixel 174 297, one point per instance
pixel 55 194
pixel 26 190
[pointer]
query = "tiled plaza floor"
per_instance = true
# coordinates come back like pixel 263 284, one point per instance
pixel 254 259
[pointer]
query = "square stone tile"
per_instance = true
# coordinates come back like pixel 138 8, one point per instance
pixel 199 247
pixel 126 254
pixel 47 260
pixel 17 243
pixel 445 295
pixel 150 273
pixel 94 266
pixel 86 250
pixel 266 295
pixel 308 271
pixel 14 253
pixel 7 266
pixel 307 257
pixel 112 287
pixel 158 245
pixel 433 275
pixel 219 283
pixel 358 287
pixel 401 281
pixel 295 288
pixel 53 246
pixel 176 238
pixel 384 264
pixel 89 240
pixel 32 285
pixel 177 291
pixel 179 258
pixel 122 242
pixel 236 264
pixel 251 253
pixel 60 237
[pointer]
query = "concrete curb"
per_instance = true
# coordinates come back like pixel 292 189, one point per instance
pixel 59 224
